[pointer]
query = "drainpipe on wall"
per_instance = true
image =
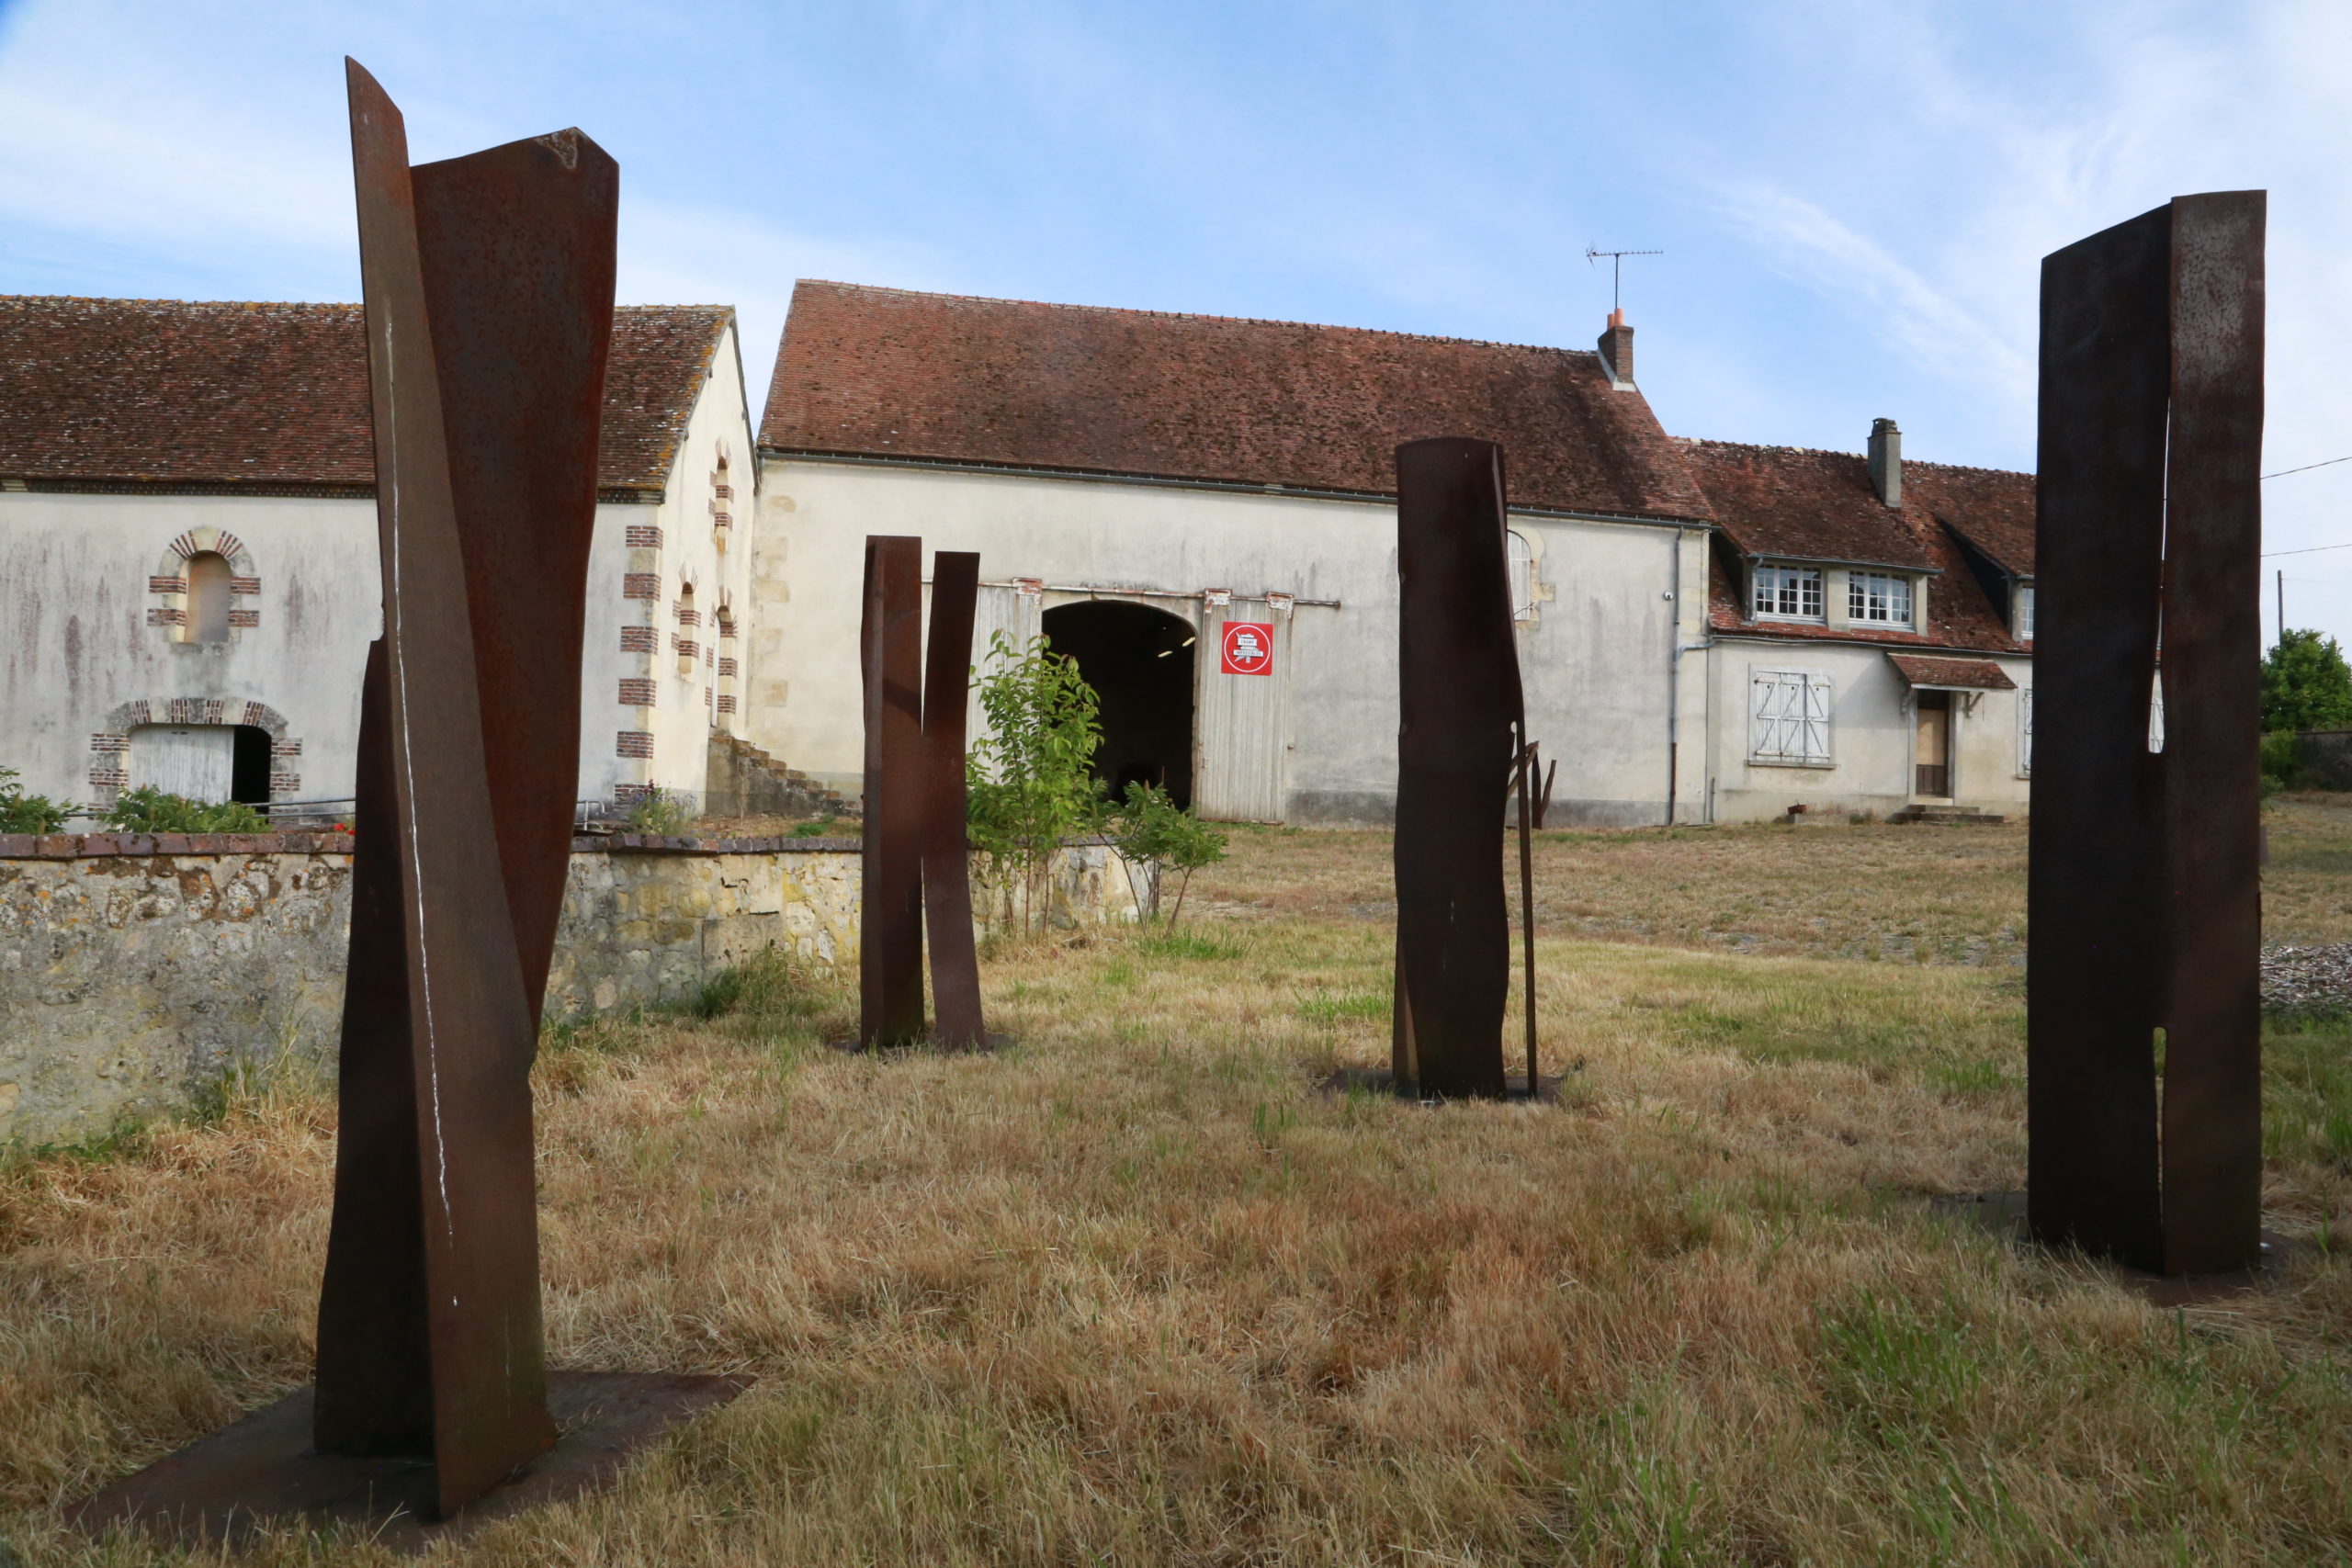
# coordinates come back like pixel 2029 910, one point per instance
pixel 1674 681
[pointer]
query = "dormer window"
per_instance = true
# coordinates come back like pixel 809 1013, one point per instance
pixel 1788 593
pixel 1879 598
pixel 2025 613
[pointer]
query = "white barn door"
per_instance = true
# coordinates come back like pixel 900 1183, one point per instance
pixel 195 759
pixel 1241 721
pixel 1019 614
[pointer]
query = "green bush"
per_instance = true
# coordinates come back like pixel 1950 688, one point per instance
pixel 2283 764
pixel 22 813
pixel 151 810
pixel 1148 825
pixel 659 810
pixel 2305 685
pixel 1030 774
pixel 819 828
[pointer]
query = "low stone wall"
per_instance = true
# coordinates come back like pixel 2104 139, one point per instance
pixel 136 971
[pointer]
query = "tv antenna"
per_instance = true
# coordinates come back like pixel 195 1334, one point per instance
pixel 1616 271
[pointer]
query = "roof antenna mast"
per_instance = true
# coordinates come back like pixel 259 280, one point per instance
pixel 1616 272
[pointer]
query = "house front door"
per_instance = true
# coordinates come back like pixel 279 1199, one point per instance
pixel 1931 755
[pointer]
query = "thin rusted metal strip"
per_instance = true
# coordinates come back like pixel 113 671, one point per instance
pixel 2094 932
pixel 517 246
pixel 948 861
pixel 1460 718
pixel 1526 898
pixel 2212 651
pixel 469 1037
pixel 891 902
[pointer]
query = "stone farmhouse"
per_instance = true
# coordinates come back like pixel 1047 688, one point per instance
pixel 1708 631
pixel 1199 509
pixel 188 578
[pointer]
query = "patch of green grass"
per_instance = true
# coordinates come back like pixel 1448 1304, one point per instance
pixel 1185 944
pixel 2307 1088
pixel 1326 1008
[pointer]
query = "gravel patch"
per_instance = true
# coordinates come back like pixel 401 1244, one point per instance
pixel 2308 979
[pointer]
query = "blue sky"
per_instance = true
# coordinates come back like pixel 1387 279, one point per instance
pixel 1853 195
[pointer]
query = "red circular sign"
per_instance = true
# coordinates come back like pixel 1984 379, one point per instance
pixel 1249 648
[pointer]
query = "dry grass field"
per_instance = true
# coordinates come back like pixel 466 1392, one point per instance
pixel 1135 1293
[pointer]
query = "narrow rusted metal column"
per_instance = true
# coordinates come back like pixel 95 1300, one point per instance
pixel 946 859
pixel 1460 718
pixel 2142 892
pixel 443 942
pixel 890 904
pixel 2211 668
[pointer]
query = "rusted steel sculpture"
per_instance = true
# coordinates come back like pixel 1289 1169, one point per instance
pixel 2143 896
pixel 488 286
pixel 1460 735
pixel 915 854
pixel 947 855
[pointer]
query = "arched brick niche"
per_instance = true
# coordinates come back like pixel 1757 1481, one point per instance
pixel 185 575
pixel 110 746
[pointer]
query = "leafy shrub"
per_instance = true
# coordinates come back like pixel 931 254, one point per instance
pixel 660 811
pixel 1030 774
pixel 819 828
pixel 1148 825
pixel 2305 685
pixel 2282 761
pixel 151 810
pixel 22 813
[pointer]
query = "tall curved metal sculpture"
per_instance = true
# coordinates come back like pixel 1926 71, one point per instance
pixel 1461 731
pixel 489 288
pixel 2144 894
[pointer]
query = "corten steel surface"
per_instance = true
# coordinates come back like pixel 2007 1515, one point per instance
pixel 1527 762
pixel 517 245
pixel 1461 724
pixel 2143 899
pixel 429 1330
pixel 890 904
pixel 262 1474
pixel 947 859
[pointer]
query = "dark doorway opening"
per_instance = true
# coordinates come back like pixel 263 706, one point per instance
pixel 249 765
pixel 1139 662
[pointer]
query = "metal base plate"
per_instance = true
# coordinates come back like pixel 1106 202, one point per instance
pixel 260 1475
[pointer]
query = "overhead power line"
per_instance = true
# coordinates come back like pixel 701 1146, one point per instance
pixel 2312 551
pixel 2307 468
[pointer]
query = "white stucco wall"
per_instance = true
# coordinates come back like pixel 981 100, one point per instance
pixel 1872 731
pixel 717 563
pixel 1596 659
pixel 76 645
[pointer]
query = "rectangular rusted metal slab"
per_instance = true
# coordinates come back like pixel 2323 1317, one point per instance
pixel 1461 719
pixel 262 1475
pixel 957 1023
pixel 890 1011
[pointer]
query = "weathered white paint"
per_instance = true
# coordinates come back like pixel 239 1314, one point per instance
pixel 196 761
pixel 1615 601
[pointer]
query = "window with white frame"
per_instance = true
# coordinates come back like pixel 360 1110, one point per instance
pixel 1788 717
pixel 1788 592
pixel 2025 731
pixel 2025 613
pixel 1522 576
pixel 1877 596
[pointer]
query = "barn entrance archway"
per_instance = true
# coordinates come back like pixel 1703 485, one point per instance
pixel 1139 662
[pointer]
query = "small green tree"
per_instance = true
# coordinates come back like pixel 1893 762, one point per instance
pixel 151 810
pixel 1148 825
pixel 1029 775
pixel 2305 685
pixel 22 813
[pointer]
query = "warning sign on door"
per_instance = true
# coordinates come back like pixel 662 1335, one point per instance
pixel 1249 648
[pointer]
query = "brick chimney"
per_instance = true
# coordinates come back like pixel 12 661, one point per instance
pixel 1617 351
pixel 1886 461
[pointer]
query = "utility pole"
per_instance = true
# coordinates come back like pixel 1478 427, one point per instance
pixel 2283 607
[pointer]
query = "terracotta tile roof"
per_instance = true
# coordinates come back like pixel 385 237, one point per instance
pixel 1981 674
pixel 1990 508
pixel 1960 615
pixel 164 392
pixel 883 372
pixel 1794 503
